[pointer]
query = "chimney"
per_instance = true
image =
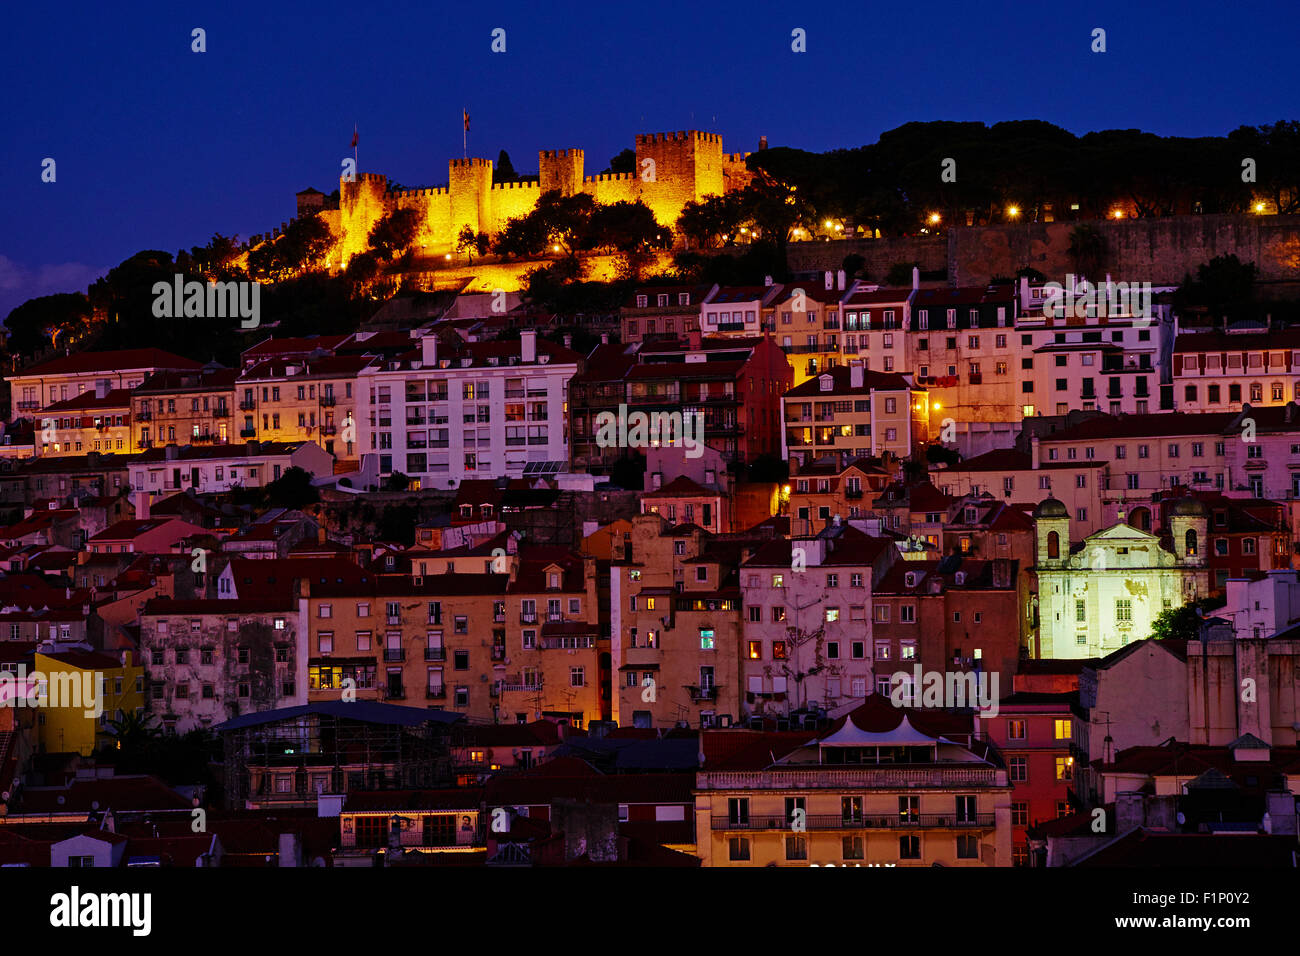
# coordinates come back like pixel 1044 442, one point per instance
pixel 429 351
pixel 1034 453
pixel 604 338
pixel 568 341
pixel 767 280
pixel 142 505
pixel 855 375
pixel 916 278
pixel 528 346
pixel 840 278
pixel 101 389
pixel 762 142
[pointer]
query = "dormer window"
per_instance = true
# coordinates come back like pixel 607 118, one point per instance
pixel 641 301
pixel 826 383
pixel 909 579
pixel 553 581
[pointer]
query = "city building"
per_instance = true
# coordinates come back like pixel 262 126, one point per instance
pixel 67 376
pixel 849 413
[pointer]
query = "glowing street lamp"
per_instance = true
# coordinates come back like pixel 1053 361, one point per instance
pixel 934 218
pixel 1259 207
pixel 1013 211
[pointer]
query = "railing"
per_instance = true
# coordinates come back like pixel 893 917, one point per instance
pixel 435 653
pixel 394 655
pixel 327 401
pixel 498 653
pixel 395 693
pixel 527 618
pixel 248 433
pixel 328 429
pixel 247 405
pixel 853 494
pixel 28 406
pixel 836 821
pixel 865 777
pixel 436 693
pixel 143 415
pixel 517 688
pixel 221 411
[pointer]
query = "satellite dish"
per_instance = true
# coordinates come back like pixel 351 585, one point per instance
pixel 60 801
pixel 94 804
pixel 1181 819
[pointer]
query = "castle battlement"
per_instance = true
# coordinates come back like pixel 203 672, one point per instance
pixel 681 136
pixel 689 165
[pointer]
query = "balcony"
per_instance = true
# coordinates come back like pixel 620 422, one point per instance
pixel 145 443
pixel 221 411
pixel 528 618
pixel 328 429
pixel 517 687
pixel 836 821
pixel 395 693
pixel 143 415
pixel 435 653
pixel 28 406
pixel 498 653
pixel 699 694
pixel 394 655
pixel 435 693
pixel 247 405
pixel 853 494
pixel 248 433
pixel 327 401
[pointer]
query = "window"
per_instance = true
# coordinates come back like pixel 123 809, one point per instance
pixel 1015 730
pixel 1019 768
pixel 738 848
pixel 967 846
pixel 1123 611
pixel 796 847
pixel 909 847
pixel 1061 728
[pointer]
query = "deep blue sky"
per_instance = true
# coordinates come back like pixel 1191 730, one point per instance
pixel 158 147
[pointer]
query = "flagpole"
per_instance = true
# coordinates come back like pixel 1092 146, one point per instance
pixel 464 135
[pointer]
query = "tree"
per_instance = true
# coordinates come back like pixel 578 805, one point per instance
pixel 624 162
pixel 624 226
pixel 1180 623
pixel 1088 251
pixel 1224 287
pixel 466 241
pixel 46 321
pixel 713 221
pixel 397 481
pixel 302 244
pixel 504 172
pixel 395 233
pixel 293 489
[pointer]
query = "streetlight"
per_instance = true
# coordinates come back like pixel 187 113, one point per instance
pixel 1013 211
pixel 934 218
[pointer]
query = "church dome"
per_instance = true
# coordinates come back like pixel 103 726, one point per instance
pixel 1188 507
pixel 1051 508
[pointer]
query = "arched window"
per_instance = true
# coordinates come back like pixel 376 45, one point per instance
pixel 1191 542
pixel 1053 545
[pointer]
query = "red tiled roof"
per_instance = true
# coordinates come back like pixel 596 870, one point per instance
pixel 1110 427
pixel 117 361
pixel 88 401
pixel 841 383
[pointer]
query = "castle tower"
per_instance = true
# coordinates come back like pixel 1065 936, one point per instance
pixel 362 203
pixel 560 169
pixel 686 167
pixel 469 183
pixel 1051 533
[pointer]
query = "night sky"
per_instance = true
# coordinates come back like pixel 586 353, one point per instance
pixel 159 147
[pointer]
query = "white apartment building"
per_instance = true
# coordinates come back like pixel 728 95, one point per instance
pixel 1219 372
pixel 483 410
pixel 1093 353
pixel 211 469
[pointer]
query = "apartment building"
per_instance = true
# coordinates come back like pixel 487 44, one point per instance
pixel 1035 734
pixel 850 413
pixel 683 501
pixel 662 312
pixel 1262 452
pixel 599 389
pixel 303 399
pixel 211 660
pixel 804 318
pixel 824 490
pixel 186 407
pixel 1024 479
pixel 67 376
pixel 96 420
pixel 807 620
pixel 675 628
pixel 735 384
pixel 499 647
pixel 210 469
pixel 485 410
pixel 881 786
pixel 1220 372
pixel 72 726
pixel 1143 454
pixel 952 615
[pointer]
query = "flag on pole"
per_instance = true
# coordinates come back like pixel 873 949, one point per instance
pixel 354 137
pixel 465 113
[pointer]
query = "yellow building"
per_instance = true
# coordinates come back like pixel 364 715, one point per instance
pixel 852 413
pixel 67 376
pixel 522 644
pixel 96 420
pixel 303 400
pixel 83 691
pixel 184 408
pixel 675 630
pixel 873 789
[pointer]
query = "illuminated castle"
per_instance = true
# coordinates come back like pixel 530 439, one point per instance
pixel 671 170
